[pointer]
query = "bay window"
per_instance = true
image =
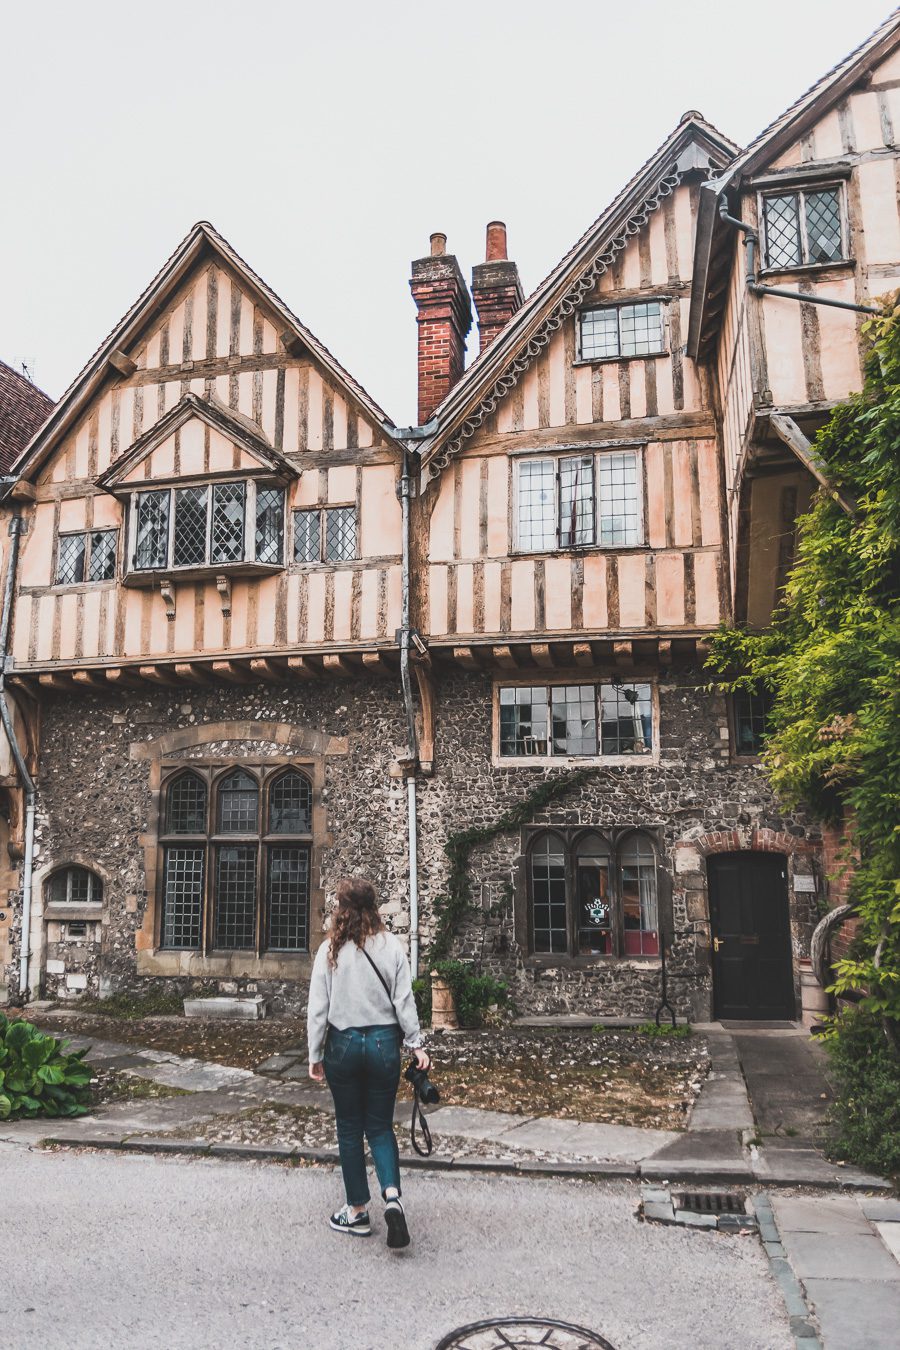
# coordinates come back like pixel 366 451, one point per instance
pixel 207 525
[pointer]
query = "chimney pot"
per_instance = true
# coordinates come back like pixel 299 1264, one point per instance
pixel 495 247
pixel 438 245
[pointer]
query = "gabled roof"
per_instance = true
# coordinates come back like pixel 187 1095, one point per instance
pixel 233 425
pixel 694 144
pixel 23 408
pixel 713 251
pixel 202 241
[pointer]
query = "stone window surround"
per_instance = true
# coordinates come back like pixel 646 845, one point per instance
pixel 310 750
pixel 562 677
pixel 265 773
pixel 616 835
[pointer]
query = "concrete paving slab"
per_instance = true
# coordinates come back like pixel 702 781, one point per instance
pixel 703 1145
pixel 194 1077
pixel 472 1123
pixel 806 1167
pixel 824 1256
pixel 835 1214
pixel 617 1142
pixel 890 1236
pixel 878 1210
pixel 855 1314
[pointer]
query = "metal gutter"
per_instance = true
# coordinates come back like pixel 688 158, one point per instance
pixel 406 683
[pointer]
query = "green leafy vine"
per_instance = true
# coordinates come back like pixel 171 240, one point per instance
pixel 452 909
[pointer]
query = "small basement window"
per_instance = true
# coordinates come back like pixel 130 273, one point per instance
pixel 75 886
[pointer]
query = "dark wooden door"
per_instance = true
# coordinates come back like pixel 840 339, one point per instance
pixel 748 906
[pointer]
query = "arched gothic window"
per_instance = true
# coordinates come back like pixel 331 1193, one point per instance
pixel 236 860
pixel 590 895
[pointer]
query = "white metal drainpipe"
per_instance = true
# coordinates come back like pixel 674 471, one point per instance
pixel 15 529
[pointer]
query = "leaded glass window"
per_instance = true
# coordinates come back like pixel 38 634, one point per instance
pixel 186 806
pixel 307 536
pixel 183 875
pixel 269 524
pixel 340 534
pixel 803 227
pixel 75 886
pixel 290 804
pixel 524 720
pixel 637 861
pixel 232 878
pixel 152 538
pixel 593 896
pixel 574 715
pixel 238 803
pixel 751 716
pixel 537 505
pixel 102 565
pixel 576 501
pixel 287 898
pixel 579 500
pixel 620 515
pixel 226 544
pixel 548 720
pixel 191 512
pixel 622 330
pixel 626 719
pixel 547 868
pixel 70 559
pixel 592 893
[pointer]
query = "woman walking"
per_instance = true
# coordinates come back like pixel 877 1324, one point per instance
pixel 360 1002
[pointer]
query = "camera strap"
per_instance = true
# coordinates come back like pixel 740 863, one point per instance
pixel 417 1113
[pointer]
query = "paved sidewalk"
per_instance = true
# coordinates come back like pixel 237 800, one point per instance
pixel 711 1150
pixel 845 1251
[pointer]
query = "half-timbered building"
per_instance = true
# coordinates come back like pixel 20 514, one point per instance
pixel 261 636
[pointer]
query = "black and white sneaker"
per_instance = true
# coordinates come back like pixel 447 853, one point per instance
pixel 343 1223
pixel 397 1231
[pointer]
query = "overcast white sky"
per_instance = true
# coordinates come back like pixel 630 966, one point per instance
pixel 326 142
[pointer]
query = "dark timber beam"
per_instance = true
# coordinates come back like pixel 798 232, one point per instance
pixel 786 430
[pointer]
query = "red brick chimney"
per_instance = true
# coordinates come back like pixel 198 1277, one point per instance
pixel 496 288
pixel 444 319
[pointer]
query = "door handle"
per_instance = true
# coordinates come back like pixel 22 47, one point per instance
pixel 717 942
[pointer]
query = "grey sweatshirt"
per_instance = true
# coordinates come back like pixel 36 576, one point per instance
pixel 350 994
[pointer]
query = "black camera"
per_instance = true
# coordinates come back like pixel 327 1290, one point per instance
pixel 422 1085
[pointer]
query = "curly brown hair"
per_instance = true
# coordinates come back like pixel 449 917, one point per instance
pixel 356 917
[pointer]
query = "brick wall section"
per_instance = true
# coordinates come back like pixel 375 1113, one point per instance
pixel 837 863
pixel 444 320
pixel 497 292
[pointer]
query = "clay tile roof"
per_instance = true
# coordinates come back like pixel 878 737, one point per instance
pixel 23 408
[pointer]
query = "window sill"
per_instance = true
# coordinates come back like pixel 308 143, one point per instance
pixel 61 912
pixel 839 266
pixel 579 550
pixel 580 962
pixel 572 761
pixel 227 965
pixel 206 572
pixel 614 360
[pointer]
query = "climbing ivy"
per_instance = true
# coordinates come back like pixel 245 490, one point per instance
pixel 451 909
pixel 831 661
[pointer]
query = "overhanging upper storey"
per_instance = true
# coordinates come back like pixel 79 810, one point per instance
pixel 784 153
pixel 695 149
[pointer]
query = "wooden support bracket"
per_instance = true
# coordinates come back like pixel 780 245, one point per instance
pixel 425 717
pixel 267 670
pixel 121 364
pixel 223 586
pixel 623 654
pixel 191 674
pixel 786 430
pixel 158 675
pixel 123 677
pixel 167 591
pixel 504 658
pixel 300 668
pixel 50 680
pixel 582 654
pixel 375 663
pixel 541 654
pixel 332 664
pixel 89 679
pixel 230 671
pixel 464 656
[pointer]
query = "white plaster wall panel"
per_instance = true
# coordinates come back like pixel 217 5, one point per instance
pixel 465 600
pixel 558 594
pixel 594 607
pixel 437 600
pixel 878 197
pixel 343 586
pixel 522 595
pixel 706 589
pixel 291 409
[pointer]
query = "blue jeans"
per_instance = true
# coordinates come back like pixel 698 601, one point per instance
pixel 362 1068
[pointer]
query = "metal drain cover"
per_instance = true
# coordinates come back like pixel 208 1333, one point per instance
pixel 522 1333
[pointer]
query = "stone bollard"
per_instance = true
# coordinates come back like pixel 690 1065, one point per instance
pixel 443 1007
